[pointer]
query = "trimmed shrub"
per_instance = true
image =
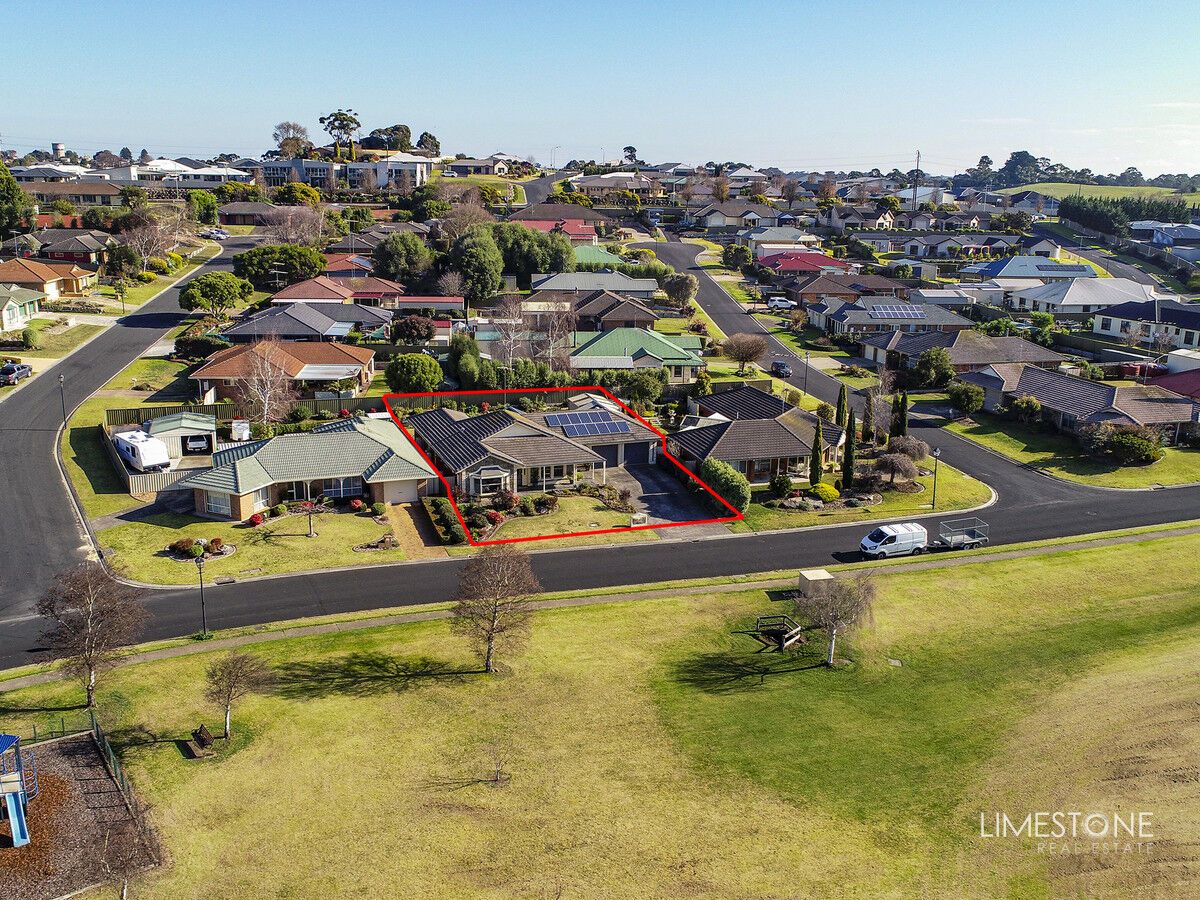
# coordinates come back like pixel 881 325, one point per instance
pixel 199 346
pixel 255 520
pixel 527 506
pixel 826 493
pixel 158 265
pixel 215 544
pixel 196 551
pixel 279 509
pixel 456 533
pixel 495 517
pixel 547 503
pixel 1133 450
pixel 781 485
pixel 505 500
pixel 299 413
pixel 147 277
pixel 356 504
pixel 183 545
pixel 379 509
pixel 728 482
pixel 31 339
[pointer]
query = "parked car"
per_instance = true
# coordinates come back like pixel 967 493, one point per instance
pixel 781 369
pixel 895 540
pixel 196 443
pixel 12 373
pixel 781 303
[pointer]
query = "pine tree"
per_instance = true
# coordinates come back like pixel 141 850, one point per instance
pixel 815 469
pixel 849 451
pixel 843 406
pixel 903 432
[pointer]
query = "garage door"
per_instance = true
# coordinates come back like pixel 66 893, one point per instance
pixel 400 491
pixel 637 454
pixel 609 452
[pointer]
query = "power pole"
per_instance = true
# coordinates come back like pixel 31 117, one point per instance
pixel 916 182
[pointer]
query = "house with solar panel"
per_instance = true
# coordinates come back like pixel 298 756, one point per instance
pixel 872 315
pixel 513 450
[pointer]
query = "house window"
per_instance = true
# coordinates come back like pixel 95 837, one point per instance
pixel 262 498
pixel 341 487
pixel 1106 324
pixel 216 504
pixel 1189 337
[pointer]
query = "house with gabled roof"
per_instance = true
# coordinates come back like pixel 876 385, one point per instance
pixel 736 214
pixel 587 282
pixel 767 240
pixel 969 350
pixel 758 434
pixel 53 279
pixel 807 289
pixel 312 366
pixel 1071 403
pixel 802 262
pixel 367 290
pixel 637 348
pixel 359 457
pixel 311 322
pixel 18 306
pixel 511 450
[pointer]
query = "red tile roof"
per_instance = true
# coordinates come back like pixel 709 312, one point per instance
pixel 291 357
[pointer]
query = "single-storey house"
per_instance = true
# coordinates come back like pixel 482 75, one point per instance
pixel 576 231
pixel 1028 267
pixel 813 288
pixel 555 212
pixel 1070 403
pixel 1156 322
pixel 1079 298
pixel 511 450
pixel 637 348
pixel 17 306
pixel 604 311
pixel 53 279
pixel 348 265
pixel 969 350
pixel 82 246
pixel 868 315
pixel 351 458
pixel 81 193
pixel 311 322
pixel 735 214
pixel 368 290
pixel 758 434
pixel 768 240
pixel 587 282
pixel 246 213
pixel 802 263
pixel 312 366
pixel 487 166
pixel 414 303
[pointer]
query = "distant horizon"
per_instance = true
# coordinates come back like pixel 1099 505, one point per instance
pixel 557 82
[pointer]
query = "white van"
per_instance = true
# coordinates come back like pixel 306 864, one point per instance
pixel 142 452
pixel 895 540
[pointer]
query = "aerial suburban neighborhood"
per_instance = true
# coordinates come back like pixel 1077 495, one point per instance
pixel 516 488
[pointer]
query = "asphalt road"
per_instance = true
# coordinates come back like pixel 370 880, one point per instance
pixel 44 536
pixel 537 190
pixel 1113 267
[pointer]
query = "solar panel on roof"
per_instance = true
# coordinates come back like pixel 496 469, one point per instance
pixel 896 311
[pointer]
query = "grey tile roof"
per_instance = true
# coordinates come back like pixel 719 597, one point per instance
pixel 745 402
pixel 966 348
pixel 461 441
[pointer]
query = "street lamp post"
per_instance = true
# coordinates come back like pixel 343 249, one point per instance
pixel 203 612
pixel 806 372
pixel 62 396
pixel 937 454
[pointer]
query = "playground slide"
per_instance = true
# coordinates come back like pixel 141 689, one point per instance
pixel 16 820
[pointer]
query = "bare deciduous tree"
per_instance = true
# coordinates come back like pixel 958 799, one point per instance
pixel 147 240
pixel 295 225
pixel 266 392
pixel 450 284
pixel 896 464
pixel 91 616
pixel 720 189
pixel 744 349
pixel 456 222
pixel 122 856
pixel 554 345
pixel 511 330
pixel 837 606
pixel 493 607
pixel 232 677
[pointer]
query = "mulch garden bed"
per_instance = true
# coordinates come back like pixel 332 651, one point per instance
pixel 78 805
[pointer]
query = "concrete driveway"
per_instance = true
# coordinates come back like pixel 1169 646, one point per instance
pixel 664 498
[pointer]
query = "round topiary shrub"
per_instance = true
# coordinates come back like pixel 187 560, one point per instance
pixel 196 551
pixel 255 520
pixel 826 493
pixel 379 509
pixel 215 544
pixel 279 509
pixel 146 277
pixel 781 485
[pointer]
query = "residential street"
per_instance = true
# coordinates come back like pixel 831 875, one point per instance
pixel 1113 267
pixel 33 547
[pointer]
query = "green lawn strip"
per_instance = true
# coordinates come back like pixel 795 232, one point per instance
pixel 1061 189
pixel 573 514
pixel 677 743
pixel 57 345
pixel 804 342
pixel 979 644
pixel 138 294
pixel 956 490
pixel 276 547
pixel 166 379
pixel 1060 455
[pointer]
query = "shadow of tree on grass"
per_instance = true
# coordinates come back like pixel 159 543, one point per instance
pixel 362 674
pixel 726 672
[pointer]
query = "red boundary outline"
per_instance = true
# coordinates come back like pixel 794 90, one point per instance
pixel 735 517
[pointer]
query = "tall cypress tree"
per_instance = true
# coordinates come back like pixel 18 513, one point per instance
pixel 815 468
pixel 843 406
pixel 894 424
pixel 849 451
pixel 868 426
pixel 904 414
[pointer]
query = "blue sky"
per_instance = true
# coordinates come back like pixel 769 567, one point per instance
pixel 800 85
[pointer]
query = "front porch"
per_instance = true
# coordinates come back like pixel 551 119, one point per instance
pixel 489 480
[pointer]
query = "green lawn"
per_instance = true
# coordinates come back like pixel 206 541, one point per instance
pixel 1060 189
pixel 280 545
pixel 165 377
pixel 1059 455
pixel 137 294
pixel 573 514
pixel 495 180
pixel 799 343
pixel 56 346
pixel 956 490
pixel 649 746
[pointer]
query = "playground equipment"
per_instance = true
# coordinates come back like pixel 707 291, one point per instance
pixel 18 785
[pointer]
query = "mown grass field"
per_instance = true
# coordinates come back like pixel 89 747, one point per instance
pixel 651 752
pixel 1061 456
pixel 1060 189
